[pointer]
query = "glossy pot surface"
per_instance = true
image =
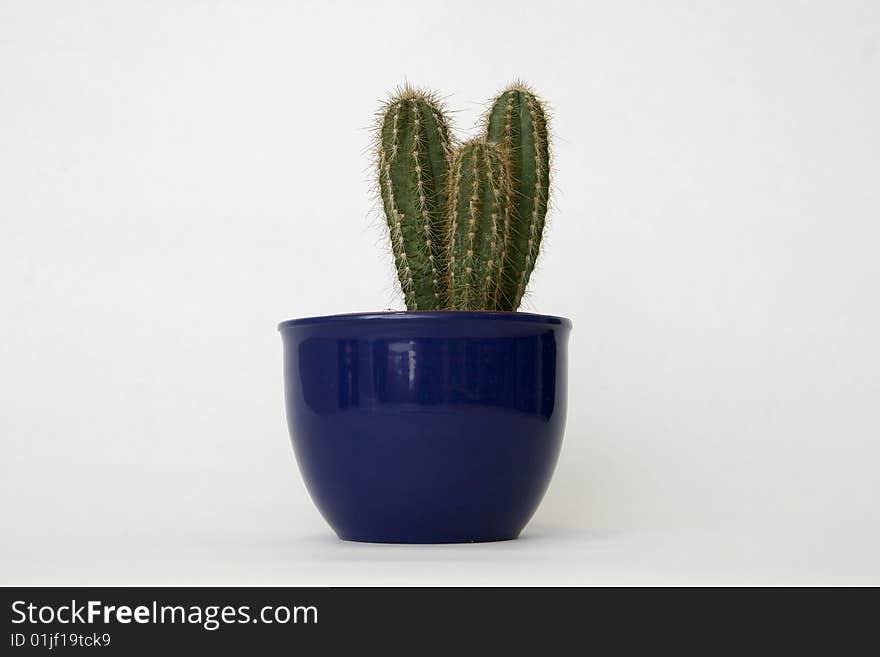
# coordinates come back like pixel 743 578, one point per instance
pixel 435 427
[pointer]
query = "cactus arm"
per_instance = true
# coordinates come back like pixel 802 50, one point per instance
pixel 517 119
pixel 477 215
pixel 412 147
pixel 388 149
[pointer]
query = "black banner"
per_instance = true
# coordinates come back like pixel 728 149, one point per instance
pixel 134 621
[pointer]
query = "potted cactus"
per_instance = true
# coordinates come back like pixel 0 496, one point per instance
pixel 443 423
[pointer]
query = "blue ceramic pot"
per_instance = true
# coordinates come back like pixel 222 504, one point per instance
pixel 426 427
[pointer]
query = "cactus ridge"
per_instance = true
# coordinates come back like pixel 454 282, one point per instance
pixel 465 222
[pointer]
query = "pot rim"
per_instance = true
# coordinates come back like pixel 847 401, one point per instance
pixel 439 315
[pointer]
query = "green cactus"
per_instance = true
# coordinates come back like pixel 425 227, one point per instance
pixel 479 225
pixel 465 223
pixel 517 120
pixel 413 151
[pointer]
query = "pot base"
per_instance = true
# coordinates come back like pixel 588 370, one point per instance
pixel 395 540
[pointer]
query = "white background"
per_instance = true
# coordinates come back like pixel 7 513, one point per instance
pixel 177 177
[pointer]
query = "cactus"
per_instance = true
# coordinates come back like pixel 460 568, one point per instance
pixel 479 225
pixel 465 223
pixel 413 150
pixel 517 120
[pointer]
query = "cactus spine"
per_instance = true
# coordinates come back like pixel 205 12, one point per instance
pixel 465 223
pixel 479 223
pixel 413 154
pixel 517 120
